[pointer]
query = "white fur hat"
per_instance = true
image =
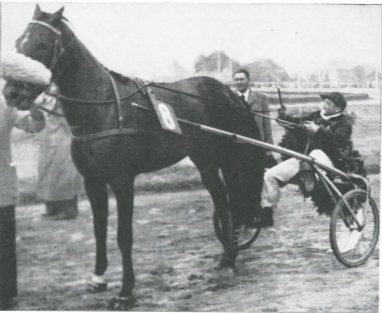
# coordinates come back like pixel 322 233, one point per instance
pixel 16 66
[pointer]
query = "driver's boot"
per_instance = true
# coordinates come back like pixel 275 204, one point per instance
pixel 308 176
pixel 264 218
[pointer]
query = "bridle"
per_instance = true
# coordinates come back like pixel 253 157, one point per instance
pixel 58 49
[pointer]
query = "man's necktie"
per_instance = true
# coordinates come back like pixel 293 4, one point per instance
pixel 242 98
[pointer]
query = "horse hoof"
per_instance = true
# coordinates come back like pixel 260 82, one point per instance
pixel 95 288
pixel 96 284
pixel 121 303
pixel 225 263
pixel 226 270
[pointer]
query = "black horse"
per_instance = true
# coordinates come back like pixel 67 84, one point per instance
pixel 115 143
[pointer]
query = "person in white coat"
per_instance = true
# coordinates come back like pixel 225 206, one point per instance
pixel 18 68
pixel 59 182
pixel 31 122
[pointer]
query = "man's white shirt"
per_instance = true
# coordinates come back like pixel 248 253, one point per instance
pixel 245 94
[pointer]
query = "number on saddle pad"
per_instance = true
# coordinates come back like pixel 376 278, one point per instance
pixel 166 116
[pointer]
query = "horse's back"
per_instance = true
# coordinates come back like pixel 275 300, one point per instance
pixel 207 101
pixel 208 87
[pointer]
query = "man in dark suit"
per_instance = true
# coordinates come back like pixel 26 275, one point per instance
pixel 258 102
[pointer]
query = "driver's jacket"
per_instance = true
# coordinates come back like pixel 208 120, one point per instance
pixel 333 137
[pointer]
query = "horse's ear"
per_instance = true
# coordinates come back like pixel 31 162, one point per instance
pixel 37 11
pixel 59 12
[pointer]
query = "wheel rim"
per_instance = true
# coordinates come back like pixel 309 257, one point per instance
pixel 356 246
pixel 244 235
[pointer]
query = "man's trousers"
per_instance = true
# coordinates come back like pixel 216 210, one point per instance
pixel 281 174
pixel 8 268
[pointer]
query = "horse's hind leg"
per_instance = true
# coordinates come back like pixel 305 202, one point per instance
pixel 209 172
pixel 97 194
pixel 243 174
pixel 123 188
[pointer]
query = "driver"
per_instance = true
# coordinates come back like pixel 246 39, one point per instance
pixel 329 131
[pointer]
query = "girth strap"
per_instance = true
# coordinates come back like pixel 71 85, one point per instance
pixel 119 131
pixel 107 133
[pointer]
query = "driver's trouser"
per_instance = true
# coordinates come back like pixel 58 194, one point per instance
pixel 281 174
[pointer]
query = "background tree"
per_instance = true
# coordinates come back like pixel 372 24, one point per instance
pixel 266 71
pixel 211 63
pixel 314 77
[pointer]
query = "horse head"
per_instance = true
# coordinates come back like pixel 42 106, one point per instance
pixel 42 42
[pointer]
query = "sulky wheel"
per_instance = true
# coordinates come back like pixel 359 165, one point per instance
pixel 245 236
pixel 352 244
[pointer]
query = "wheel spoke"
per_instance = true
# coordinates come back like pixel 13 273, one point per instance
pixel 351 244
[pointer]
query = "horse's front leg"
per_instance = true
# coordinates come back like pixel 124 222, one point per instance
pixel 97 194
pixel 124 193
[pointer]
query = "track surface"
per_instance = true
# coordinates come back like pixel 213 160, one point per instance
pixel 288 269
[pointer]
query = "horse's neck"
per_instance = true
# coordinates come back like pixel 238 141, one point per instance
pixel 78 73
pixel 80 76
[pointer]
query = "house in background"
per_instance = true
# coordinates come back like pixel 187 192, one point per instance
pixel 373 77
pixel 337 74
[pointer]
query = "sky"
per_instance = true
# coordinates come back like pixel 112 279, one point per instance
pixel 144 39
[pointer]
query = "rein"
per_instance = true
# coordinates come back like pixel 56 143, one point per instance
pixel 50 111
pixel 57 55
pixel 105 102
pixel 59 50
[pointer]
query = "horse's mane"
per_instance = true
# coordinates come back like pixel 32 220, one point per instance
pixel 117 76
pixel 124 79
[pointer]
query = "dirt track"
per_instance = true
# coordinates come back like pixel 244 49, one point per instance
pixel 287 269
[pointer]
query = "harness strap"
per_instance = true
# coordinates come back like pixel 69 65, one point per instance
pixel 141 84
pixel 120 130
pixel 107 133
pixel 54 30
pixel 118 100
pixel 50 111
